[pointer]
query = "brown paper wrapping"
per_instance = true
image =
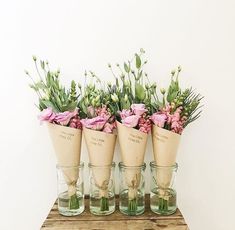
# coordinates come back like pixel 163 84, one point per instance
pixel 165 147
pixel 100 146
pixel 133 146
pixel 67 145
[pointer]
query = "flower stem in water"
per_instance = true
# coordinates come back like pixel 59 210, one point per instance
pixel 132 205
pixel 73 202
pixel 104 204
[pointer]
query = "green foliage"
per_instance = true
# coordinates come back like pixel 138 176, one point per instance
pixel 50 91
pixel 187 99
pixel 132 84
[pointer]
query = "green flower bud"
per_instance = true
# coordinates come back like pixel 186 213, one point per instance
pixel 114 97
pixel 163 91
pixel 142 50
pixel 93 102
pixel 34 58
pixel 26 72
pixel 97 98
pixel 154 85
pixel 109 65
pixel 125 98
pixel 79 86
pixel 173 72
pixel 179 68
pixel 117 65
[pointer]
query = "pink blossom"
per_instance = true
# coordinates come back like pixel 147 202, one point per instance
pixel 131 121
pixel 145 125
pixel 103 112
pixel 125 113
pixel 75 123
pixel 159 119
pixel 47 115
pixel 138 109
pixel 96 123
pixel 64 118
pixel 108 128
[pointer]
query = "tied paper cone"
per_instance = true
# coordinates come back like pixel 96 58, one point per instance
pixel 100 146
pixel 133 145
pixel 165 147
pixel 67 145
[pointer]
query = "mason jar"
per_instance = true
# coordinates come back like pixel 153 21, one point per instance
pixel 102 189
pixel 70 188
pixel 163 193
pixel 131 189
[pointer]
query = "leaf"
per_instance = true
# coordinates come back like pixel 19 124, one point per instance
pixel 137 61
pixel 126 67
pixel 70 107
pixel 49 104
pixel 139 92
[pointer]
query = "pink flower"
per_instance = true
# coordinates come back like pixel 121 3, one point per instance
pixel 131 121
pixel 75 123
pixel 145 125
pixel 108 128
pixel 96 123
pixel 103 112
pixel 125 113
pixel 138 109
pixel 64 118
pixel 47 115
pixel 159 119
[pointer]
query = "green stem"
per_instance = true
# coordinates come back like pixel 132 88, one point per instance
pixel 74 202
pixel 104 204
pixel 132 205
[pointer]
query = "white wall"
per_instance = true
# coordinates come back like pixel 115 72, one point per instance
pixel 79 35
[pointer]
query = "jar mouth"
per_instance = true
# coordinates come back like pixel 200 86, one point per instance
pixel 81 165
pixel 121 165
pixel 154 165
pixel 102 166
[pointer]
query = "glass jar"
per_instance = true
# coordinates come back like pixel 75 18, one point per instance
pixel 162 191
pixel 102 189
pixel 132 189
pixel 70 190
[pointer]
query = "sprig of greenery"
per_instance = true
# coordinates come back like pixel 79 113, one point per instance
pixel 132 84
pixel 94 94
pixel 50 92
pixel 187 99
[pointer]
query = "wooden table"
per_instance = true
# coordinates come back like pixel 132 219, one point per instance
pixel 117 220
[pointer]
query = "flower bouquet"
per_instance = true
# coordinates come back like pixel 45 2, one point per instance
pixel 99 129
pixel 173 113
pixel 131 97
pixel 59 110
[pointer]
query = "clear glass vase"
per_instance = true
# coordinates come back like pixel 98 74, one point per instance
pixel 163 193
pixel 132 189
pixel 70 190
pixel 102 189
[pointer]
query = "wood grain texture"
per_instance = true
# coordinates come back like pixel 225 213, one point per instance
pixel 117 220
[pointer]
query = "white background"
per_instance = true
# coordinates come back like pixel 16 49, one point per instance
pixel 79 35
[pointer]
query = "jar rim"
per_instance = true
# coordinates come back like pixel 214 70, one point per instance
pixel 121 165
pixel 154 165
pixel 81 165
pixel 101 166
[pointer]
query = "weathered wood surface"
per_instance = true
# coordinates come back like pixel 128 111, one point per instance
pixel 117 220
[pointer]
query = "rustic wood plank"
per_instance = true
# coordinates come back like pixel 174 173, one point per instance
pixel 116 220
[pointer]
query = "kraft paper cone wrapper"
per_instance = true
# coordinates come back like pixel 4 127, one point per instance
pixel 100 146
pixel 67 145
pixel 165 147
pixel 133 146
